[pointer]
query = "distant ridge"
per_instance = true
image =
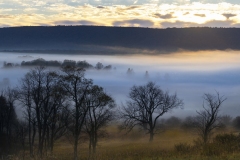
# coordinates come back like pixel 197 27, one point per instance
pixel 110 40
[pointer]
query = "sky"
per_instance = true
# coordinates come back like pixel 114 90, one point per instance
pixel 136 13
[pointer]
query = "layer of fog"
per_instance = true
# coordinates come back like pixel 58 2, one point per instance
pixel 190 75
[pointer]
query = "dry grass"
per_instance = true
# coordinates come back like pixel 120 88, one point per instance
pixel 135 146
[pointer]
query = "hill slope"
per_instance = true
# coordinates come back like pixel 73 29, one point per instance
pixel 103 39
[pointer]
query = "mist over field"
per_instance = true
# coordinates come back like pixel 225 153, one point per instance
pixel 189 74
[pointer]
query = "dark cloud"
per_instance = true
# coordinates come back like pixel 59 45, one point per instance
pixel 228 15
pixel 122 10
pixel 100 7
pixel 140 22
pixel 164 16
pixel 67 22
pixel 132 7
pixel 200 15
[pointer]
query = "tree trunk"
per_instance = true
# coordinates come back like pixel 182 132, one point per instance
pixel 90 149
pixel 33 137
pixel 51 142
pixel 95 142
pixel 29 137
pixel 205 138
pixel 76 148
pixel 151 136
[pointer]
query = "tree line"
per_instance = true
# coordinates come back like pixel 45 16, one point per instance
pixel 54 63
pixel 66 103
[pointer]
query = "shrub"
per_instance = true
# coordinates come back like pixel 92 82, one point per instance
pixel 183 148
pixel 228 142
pixel 221 144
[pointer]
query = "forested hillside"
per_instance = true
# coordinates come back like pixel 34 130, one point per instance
pixel 108 40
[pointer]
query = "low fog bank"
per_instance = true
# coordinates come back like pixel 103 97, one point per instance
pixel 188 74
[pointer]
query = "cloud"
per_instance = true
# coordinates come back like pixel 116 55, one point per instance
pixel 6 16
pixel 226 24
pixel 178 24
pixel 142 14
pixel 7 10
pixel 213 23
pixel 132 7
pixel 59 7
pixel 200 15
pixel 228 15
pixel 30 9
pixel 134 23
pixel 164 16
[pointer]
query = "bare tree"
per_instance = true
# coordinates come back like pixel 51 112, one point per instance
pixel 42 83
pixel 21 134
pixel 42 100
pixel 58 120
pixel 208 119
pixel 25 98
pixel 100 113
pixel 76 86
pixel 147 103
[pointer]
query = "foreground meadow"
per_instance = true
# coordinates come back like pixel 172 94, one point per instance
pixel 170 144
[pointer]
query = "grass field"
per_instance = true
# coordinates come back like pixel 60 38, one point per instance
pixel 135 146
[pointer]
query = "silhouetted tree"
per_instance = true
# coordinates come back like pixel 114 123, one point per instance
pixel 208 119
pixel 83 64
pixel 45 108
pixel 76 86
pixel 100 113
pixel 25 97
pixel 58 121
pixel 108 67
pixel 42 84
pixel 147 103
pixel 99 66
pixel 21 134
pixel 67 62
pixel 38 95
pixel 130 71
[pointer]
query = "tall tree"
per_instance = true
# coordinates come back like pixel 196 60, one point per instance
pixel 76 86
pixel 58 121
pixel 147 103
pixel 208 119
pixel 25 98
pixel 42 102
pixel 42 84
pixel 100 113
